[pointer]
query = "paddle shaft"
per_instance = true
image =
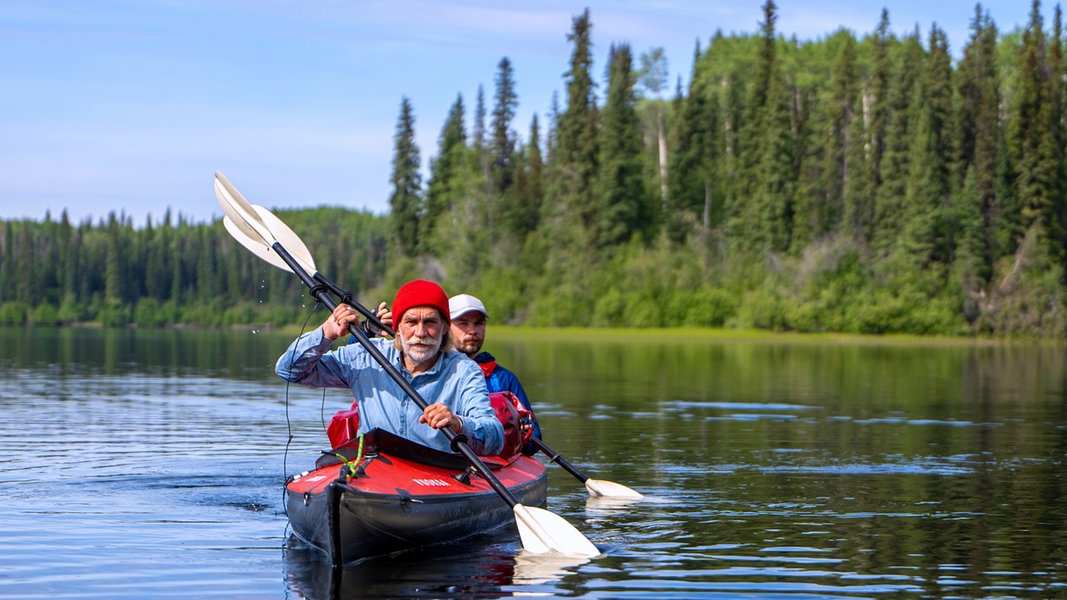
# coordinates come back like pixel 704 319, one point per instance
pixel 458 441
pixel 346 297
pixel 557 458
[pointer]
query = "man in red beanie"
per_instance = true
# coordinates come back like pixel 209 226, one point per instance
pixel 454 385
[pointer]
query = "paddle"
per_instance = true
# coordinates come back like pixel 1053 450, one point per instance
pixel 596 488
pixel 247 237
pixel 539 530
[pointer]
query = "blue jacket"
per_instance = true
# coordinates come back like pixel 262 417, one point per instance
pixel 499 379
pixel 453 380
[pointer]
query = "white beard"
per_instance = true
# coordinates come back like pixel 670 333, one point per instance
pixel 419 350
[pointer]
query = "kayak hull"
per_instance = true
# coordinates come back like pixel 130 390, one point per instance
pixel 404 496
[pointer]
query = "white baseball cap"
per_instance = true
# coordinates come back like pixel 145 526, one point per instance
pixel 463 304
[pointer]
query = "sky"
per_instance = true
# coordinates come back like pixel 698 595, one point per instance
pixel 131 106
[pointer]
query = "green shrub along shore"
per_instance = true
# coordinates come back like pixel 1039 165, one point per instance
pixel 870 184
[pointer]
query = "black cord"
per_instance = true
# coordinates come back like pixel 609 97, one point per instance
pixel 289 423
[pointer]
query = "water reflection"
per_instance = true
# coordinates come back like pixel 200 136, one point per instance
pixel 237 354
pixel 480 567
pixel 150 465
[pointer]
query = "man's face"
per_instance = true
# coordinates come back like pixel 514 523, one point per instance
pixel 420 333
pixel 468 332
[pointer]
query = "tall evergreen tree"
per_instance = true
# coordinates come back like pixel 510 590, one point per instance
pixel 569 206
pixel 878 96
pixel 980 139
pixel 502 149
pixel 844 206
pixel 522 216
pixel 115 262
pixel 68 254
pixel 480 143
pixel 860 183
pixel 1031 138
pixel 405 201
pixel 893 169
pixel 24 280
pixel 622 207
pixel 450 174
pixel 820 209
pixel 767 149
pixel 928 227
pixel 694 186
pixel 1057 101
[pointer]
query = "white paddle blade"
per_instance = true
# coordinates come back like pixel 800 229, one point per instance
pixel 542 531
pixel 289 240
pixel 230 212
pixel 255 246
pixel 240 211
pixel 610 489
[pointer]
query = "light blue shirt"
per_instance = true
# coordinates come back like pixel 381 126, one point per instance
pixel 454 380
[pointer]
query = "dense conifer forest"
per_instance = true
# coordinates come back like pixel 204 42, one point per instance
pixel 872 184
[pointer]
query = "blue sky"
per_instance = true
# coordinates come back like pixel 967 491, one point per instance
pixel 132 105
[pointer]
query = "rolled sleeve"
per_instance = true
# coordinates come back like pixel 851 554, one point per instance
pixel 484 432
pixel 309 362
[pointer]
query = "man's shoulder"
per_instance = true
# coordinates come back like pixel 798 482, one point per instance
pixel 484 357
pixel 453 359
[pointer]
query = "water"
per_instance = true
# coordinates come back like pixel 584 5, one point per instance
pixel 150 465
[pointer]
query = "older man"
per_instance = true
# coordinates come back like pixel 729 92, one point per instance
pixel 421 353
pixel 469 317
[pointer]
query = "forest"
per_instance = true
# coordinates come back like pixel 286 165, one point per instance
pixel 869 184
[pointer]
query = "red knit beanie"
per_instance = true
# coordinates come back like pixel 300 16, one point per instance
pixel 419 293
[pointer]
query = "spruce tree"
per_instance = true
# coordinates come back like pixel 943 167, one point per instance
pixel 980 138
pixel 879 96
pixel 569 208
pixel 24 280
pixel 928 225
pixel 522 218
pixel 1057 139
pixel 622 208
pixel 502 146
pixel 450 173
pixel 767 150
pixel 114 283
pixel 480 143
pixel 695 171
pixel 893 168
pixel 1030 136
pixel 405 201
pixel 860 184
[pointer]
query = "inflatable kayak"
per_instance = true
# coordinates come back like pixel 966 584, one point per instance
pixel 380 493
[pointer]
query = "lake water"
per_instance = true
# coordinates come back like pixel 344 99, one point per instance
pixel 150 465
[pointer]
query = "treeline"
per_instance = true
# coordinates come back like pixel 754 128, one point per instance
pixel 868 185
pixel 170 273
pixel 861 185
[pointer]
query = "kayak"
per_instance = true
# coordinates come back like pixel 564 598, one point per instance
pixel 403 495
pixel 380 493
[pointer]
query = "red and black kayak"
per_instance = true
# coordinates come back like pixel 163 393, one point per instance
pixel 382 493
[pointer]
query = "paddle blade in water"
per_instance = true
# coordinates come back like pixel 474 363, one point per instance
pixel 542 531
pixel 610 489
